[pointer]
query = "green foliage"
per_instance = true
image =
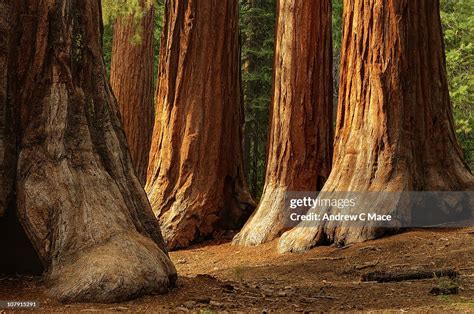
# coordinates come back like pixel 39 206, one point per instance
pixel 336 42
pixel 257 30
pixel 337 24
pixel 458 27
pixel 159 15
pixel 112 9
pixel 107 45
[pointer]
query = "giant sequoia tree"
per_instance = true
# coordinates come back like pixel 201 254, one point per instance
pixel 195 176
pixel 75 192
pixel 131 78
pixel 300 140
pixel 394 130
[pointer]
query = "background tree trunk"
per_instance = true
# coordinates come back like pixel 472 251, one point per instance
pixel 131 78
pixel 78 197
pixel 195 178
pixel 300 147
pixel 250 133
pixel 394 130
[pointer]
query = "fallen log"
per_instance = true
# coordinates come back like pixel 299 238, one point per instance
pixel 383 276
pixel 326 258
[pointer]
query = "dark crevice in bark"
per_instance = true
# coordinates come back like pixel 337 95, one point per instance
pixel 18 254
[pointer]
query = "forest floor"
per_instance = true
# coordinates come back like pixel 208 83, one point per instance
pixel 218 277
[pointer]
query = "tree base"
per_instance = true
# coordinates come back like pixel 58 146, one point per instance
pixel 267 223
pixel 127 266
pixel 302 239
pixel 187 222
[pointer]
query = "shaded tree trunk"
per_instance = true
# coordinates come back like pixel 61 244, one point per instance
pixel 77 195
pixel 250 88
pixel 18 255
pixel 246 145
pixel 6 135
pixel 255 156
pixel 394 130
pixel 300 142
pixel 131 78
pixel 195 179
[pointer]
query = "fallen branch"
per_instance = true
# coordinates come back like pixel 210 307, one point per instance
pixel 398 265
pixel 320 297
pixel 381 276
pixel 326 258
pixel 367 265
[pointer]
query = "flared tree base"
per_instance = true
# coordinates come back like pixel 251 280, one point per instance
pixel 127 266
pixel 268 221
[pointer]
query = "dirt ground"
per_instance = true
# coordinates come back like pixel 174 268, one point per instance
pixel 218 277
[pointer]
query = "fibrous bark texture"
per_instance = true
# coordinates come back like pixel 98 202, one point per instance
pixel 195 176
pixel 394 129
pixel 6 136
pixel 300 139
pixel 78 197
pixel 131 78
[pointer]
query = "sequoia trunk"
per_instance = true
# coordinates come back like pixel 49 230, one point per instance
pixel 131 78
pixel 195 176
pixel 6 135
pixel 300 140
pixel 394 130
pixel 77 195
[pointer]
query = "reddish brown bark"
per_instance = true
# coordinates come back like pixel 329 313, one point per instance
pixel 195 177
pixel 394 130
pixel 300 141
pixel 77 195
pixel 131 78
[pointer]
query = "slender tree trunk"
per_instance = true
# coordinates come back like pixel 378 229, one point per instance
pixel 77 195
pixel 131 78
pixel 255 158
pixel 394 130
pixel 300 151
pixel 195 182
pixel 249 89
pixel 246 152
pixel 246 141
pixel 246 125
